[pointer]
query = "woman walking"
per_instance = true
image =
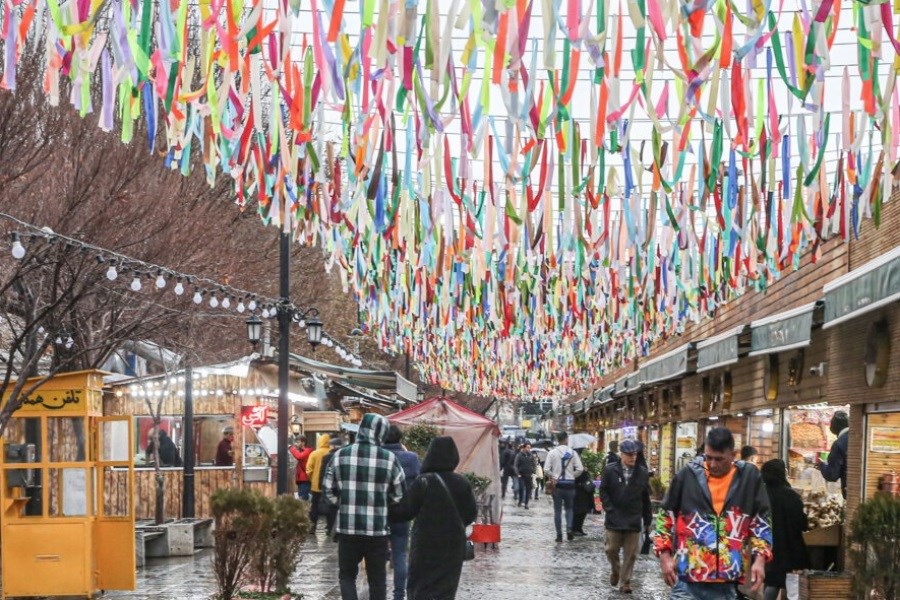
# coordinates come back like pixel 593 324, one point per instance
pixel 788 524
pixel 442 504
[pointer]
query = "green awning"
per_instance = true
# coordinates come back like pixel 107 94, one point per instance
pixel 603 396
pixel 784 331
pixel 633 382
pixel 667 366
pixel 871 286
pixel 719 351
pixel 620 387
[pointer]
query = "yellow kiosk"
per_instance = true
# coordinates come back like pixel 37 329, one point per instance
pixel 60 460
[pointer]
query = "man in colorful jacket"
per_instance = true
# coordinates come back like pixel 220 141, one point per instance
pixel 363 479
pixel 714 510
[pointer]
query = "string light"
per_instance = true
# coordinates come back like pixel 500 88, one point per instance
pixel 198 297
pixel 111 273
pixel 252 305
pixel 136 282
pixel 179 287
pixel 226 302
pixel 240 307
pixel 213 301
pixel 18 250
pixel 160 280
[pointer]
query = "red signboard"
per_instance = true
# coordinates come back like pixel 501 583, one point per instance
pixel 254 416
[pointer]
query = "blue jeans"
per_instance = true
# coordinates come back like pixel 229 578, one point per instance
pixel 399 557
pixel 304 488
pixel 703 591
pixel 563 498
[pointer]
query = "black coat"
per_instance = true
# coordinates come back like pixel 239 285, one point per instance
pixel 508 461
pixel 525 464
pixel 584 500
pixel 788 524
pixel 836 467
pixel 437 546
pixel 625 505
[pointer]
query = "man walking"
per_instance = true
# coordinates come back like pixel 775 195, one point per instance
pixel 411 465
pixel 507 468
pixel 714 508
pixel 314 476
pixel 625 493
pixel 525 467
pixel 562 466
pixel 363 480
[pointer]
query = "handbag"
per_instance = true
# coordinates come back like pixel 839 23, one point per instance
pixel 648 540
pixel 469 553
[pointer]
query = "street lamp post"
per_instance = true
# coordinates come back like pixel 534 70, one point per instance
pixel 286 313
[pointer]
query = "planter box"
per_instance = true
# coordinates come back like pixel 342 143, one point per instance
pixel 825 585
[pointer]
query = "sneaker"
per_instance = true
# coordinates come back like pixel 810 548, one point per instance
pixel 614 579
pixel 579 533
pixel 570 536
pixel 558 538
pixel 625 589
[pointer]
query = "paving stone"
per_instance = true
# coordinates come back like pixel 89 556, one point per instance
pixel 527 565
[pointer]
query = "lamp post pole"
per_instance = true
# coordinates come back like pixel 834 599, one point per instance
pixel 284 349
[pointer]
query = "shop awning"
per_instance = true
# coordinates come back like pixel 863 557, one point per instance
pixel 578 407
pixel 784 331
pixel 373 380
pixel 633 381
pixel 719 351
pixel 603 396
pixel 871 286
pixel 620 386
pixel 667 366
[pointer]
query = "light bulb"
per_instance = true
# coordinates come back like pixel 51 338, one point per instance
pixel 179 289
pixel 226 302
pixel 198 297
pixel 18 250
pixel 58 341
pixel 302 323
pixel 213 301
pixel 240 306
pixel 160 281
pixel 136 283
pixel 265 312
pixel 69 343
pixel 111 273
pixel 252 305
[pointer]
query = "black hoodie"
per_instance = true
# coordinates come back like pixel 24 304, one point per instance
pixel 437 547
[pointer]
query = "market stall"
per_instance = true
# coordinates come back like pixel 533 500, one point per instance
pixel 476 439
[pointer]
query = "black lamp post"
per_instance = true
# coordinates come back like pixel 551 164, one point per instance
pixel 286 313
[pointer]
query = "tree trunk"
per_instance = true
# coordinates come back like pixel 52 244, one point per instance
pixel 160 512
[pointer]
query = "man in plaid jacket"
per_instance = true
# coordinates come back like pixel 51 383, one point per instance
pixel 363 480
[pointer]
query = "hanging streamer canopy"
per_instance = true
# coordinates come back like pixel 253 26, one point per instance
pixel 521 195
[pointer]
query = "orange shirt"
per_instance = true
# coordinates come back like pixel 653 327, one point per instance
pixel 718 488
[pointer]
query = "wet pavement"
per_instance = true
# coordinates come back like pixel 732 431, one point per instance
pixel 527 565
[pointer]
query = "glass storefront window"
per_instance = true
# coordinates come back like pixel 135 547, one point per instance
pixel 807 436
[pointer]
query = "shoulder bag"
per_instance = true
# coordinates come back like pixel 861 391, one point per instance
pixel 470 545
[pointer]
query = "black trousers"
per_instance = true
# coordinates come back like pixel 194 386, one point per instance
pixel 524 489
pixel 351 550
pixel 578 522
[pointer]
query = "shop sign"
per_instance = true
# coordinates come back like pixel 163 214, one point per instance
pixel 885 440
pixel 254 416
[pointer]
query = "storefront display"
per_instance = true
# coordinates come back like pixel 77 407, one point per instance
pixel 685 443
pixel 882 464
pixel 665 453
pixel 808 437
pixel 761 428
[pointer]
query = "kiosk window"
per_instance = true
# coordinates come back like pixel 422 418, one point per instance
pixel 66 439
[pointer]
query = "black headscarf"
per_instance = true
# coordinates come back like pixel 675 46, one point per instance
pixel 442 455
pixel 774 474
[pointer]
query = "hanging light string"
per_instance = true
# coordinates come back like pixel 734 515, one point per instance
pixel 217 295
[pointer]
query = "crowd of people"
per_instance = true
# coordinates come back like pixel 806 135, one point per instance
pixel 727 519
